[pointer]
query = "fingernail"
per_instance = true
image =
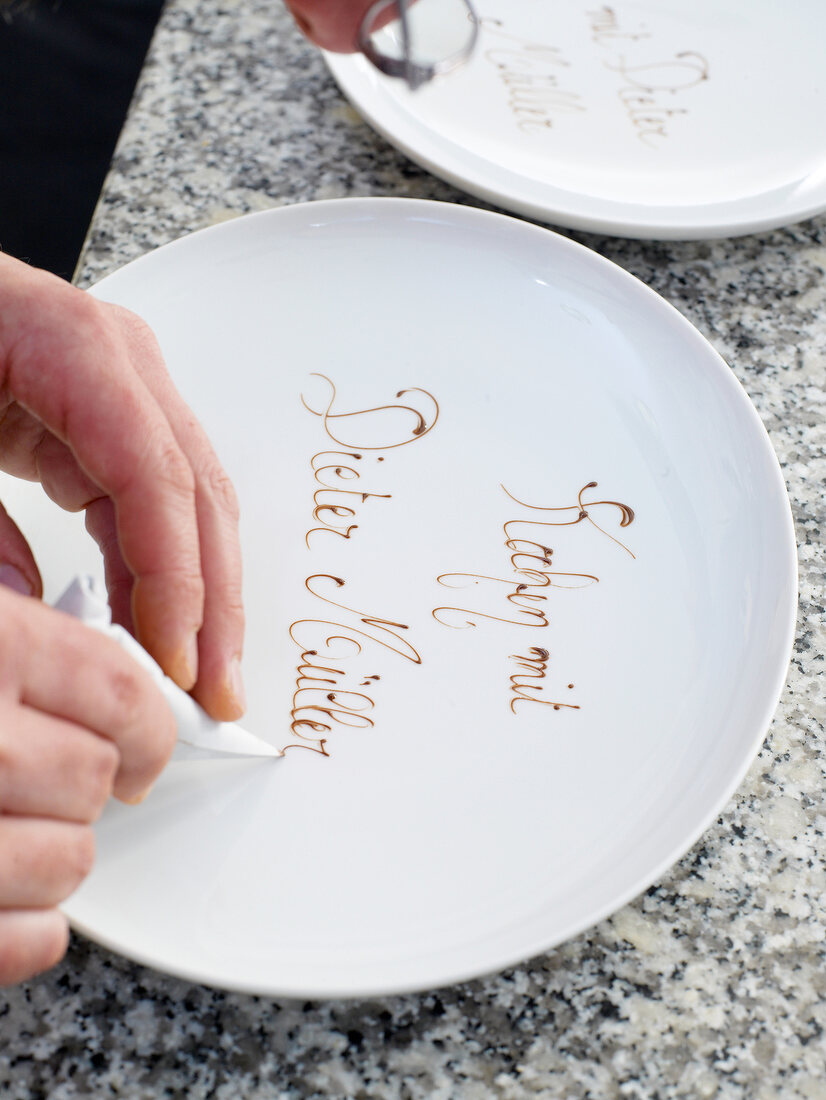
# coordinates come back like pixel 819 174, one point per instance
pixel 11 577
pixel 184 665
pixel 138 798
pixel 191 656
pixel 235 683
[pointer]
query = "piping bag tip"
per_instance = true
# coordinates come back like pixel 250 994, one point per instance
pixel 199 736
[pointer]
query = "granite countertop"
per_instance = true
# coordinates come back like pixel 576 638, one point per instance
pixel 713 983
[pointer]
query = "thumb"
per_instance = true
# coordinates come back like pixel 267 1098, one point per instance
pixel 18 569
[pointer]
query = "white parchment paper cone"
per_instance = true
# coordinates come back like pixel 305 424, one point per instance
pixel 198 734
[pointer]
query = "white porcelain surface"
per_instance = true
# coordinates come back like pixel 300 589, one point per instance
pixel 667 119
pixel 453 828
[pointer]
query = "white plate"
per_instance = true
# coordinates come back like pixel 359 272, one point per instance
pixel 454 827
pixel 668 120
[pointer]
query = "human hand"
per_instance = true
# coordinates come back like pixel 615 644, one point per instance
pixel 87 409
pixel 331 24
pixel 79 720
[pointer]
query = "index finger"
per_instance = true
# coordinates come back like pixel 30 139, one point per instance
pixel 220 641
pixel 70 367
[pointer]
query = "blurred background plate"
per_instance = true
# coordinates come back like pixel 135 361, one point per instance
pixel 518 741
pixel 662 120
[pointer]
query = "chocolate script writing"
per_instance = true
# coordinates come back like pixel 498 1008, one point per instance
pixel 650 84
pixel 341 647
pixel 533 77
pixel 540 81
pixel 526 588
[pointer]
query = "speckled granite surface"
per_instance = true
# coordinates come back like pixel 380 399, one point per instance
pixel 713 984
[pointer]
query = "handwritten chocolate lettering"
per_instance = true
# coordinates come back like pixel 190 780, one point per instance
pixel 377 624
pixel 369 423
pixel 532 667
pixel 328 502
pixel 324 649
pixel 334 651
pixel 540 81
pixel 582 513
pixel 605 28
pixel 526 590
pixel 649 84
pixel 530 75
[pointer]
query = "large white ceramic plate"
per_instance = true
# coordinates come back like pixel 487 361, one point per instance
pixel 461 821
pixel 666 119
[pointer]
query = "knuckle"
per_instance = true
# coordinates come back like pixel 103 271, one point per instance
pixel 127 688
pixel 189 590
pixel 233 606
pixel 133 321
pixel 219 486
pixel 227 613
pixel 161 457
pixel 176 470
pixel 138 330
pixel 191 584
pixel 89 318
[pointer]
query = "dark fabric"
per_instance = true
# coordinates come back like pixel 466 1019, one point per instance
pixel 67 72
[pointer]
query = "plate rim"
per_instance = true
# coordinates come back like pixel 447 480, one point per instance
pixel 565 209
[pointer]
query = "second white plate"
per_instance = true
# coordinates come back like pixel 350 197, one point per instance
pixel 664 120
